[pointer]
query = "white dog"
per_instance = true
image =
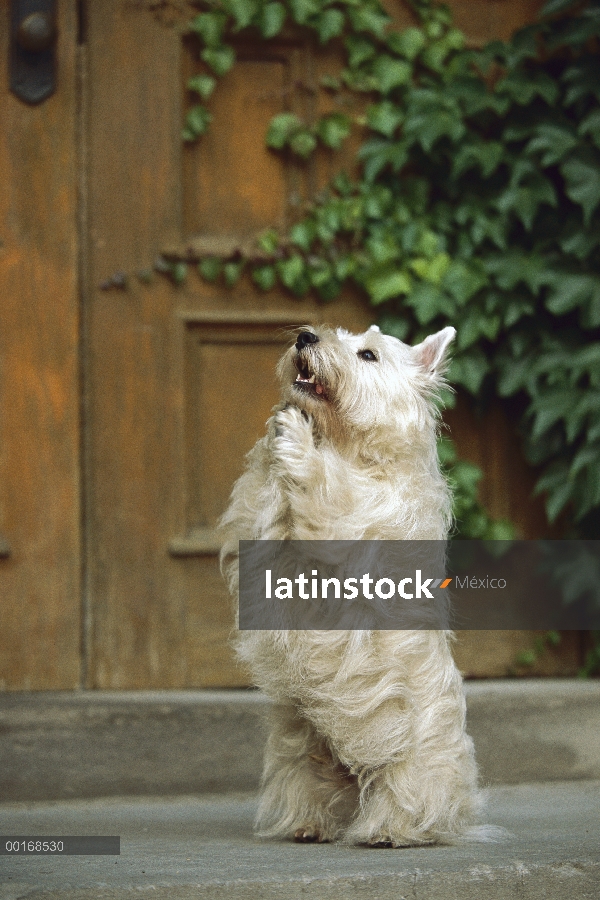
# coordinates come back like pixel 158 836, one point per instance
pixel 368 741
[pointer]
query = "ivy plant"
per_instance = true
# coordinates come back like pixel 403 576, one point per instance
pixel 477 205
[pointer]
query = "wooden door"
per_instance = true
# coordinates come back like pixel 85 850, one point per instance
pixel 180 380
pixel 126 407
pixel 39 376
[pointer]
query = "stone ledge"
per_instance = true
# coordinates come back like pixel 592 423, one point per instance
pixel 202 848
pixel 61 745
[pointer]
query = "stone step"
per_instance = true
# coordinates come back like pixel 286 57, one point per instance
pixel 202 848
pixel 64 745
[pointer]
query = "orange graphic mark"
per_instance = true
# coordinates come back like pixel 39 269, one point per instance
pixel 445 583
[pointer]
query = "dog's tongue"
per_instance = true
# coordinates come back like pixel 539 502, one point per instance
pixel 318 389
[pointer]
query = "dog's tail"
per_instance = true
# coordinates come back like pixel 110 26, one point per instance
pixel 482 834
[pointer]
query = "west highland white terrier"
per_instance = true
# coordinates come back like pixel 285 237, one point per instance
pixel 367 742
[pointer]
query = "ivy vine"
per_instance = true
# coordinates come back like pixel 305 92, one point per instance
pixel 477 205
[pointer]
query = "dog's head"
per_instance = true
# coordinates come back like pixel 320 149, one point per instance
pixel 369 382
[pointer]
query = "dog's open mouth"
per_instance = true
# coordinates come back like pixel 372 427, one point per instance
pixel 306 380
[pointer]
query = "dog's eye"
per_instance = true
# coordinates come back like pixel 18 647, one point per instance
pixel 368 355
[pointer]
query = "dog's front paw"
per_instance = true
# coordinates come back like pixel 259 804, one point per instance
pixel 290 421
pixel 293 439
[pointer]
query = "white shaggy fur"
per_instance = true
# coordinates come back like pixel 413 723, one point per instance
pixel 367 741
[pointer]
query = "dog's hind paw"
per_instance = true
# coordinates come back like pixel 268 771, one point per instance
pixel 309 834
pixel 381 843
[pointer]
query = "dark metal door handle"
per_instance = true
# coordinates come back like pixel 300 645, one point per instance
pixel 32 49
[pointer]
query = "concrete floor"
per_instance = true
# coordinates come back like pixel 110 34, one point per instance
pixel 203 847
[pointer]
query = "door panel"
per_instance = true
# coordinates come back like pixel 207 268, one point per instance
pixel 39 402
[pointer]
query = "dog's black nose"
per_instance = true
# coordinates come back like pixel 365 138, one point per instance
pixel 304 338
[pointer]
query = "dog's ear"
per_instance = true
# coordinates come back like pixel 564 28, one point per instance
pixel 430 354
pixel 374 328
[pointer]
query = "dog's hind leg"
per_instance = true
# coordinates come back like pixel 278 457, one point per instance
pixel 408 803
pixel 306 794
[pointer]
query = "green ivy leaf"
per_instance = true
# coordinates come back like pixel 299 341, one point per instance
pixel 383 284
pixel 303 234
pixel 567 291
pixel 269 241
pixel 548 408
pixel 428 118
pixel 582 177
pixel 466 476
pixel 523 86
pixel 179 272
pixel 378 154
pixel 514 375
pixel 271 19
pixel 330 83
pixel 265 277
pixel 591 126
pixel 526 658
pixel 393 324
pixel 523 200
pixel 359 50
pixel 587 456
pixel 469 369
pixel 232 271
pixel 391 73
pixel 329 290
pixel 219 60
pixel 462 281
pixel 476 326
pixel 435 55
pixel 281 129
pixel 342 184
pixel 384 117
pixel 330 24
pixel 344 266
pixel 557 500
pixel 303 142
pixel 584 80
pixel 243 11
pixel 427 301
pixel 209 27
pixel 290 270
pixel 203 85
pixel 382 246
pixel 553 142
pixel 523 45
pixel 302 10
pixel 210 268
pixel 514 267
pixel 500 531
pixel 320 274
pixel 407 43
pixel 432 270
pixel 487 155
pixel 333 129
pixel 359 80
pixel 369 17
pixel 197 121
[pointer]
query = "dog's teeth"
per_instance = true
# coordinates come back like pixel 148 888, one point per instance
pixel 311 380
